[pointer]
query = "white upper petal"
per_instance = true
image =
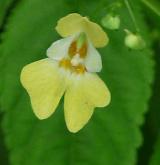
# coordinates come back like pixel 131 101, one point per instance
pixel 93 60
pixel 59 49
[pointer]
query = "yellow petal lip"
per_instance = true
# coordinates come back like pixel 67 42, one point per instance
pixel 44 85
pixel 96 90
pixel 77 109
pixel 75 23
pixel 81 98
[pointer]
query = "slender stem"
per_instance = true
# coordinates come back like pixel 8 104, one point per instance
pixel 131 14
pixel 152 5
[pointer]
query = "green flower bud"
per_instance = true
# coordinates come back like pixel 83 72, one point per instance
pixel 134 41
pixel 111 22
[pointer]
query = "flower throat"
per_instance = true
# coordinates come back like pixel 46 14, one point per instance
pixel 76 54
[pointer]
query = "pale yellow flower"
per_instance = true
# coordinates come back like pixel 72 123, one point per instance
pixel 70 69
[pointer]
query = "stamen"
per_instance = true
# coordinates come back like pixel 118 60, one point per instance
pixel 76 60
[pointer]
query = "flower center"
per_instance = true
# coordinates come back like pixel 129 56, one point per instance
pixel 76 55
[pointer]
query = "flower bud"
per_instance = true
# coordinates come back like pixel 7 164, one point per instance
pixel 134 41
pixel 111 22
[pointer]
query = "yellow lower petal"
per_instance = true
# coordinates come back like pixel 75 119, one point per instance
pixel 74 23
pixel 76 109
pixel 85 92
pixel 96 92
pixel 45 86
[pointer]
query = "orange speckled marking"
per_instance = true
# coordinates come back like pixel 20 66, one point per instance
pixel 80 69
pixel 83 51
pixel 65 63
pixel 72 49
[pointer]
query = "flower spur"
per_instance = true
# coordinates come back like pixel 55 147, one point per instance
pixel 70 69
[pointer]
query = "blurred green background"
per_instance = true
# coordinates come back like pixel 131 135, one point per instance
pixel 127 132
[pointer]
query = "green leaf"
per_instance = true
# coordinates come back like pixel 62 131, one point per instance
pixel 155 160
pixel 112 136
pixel 152 121
pixel 4 5
pixel 154 114
pixel 3 150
